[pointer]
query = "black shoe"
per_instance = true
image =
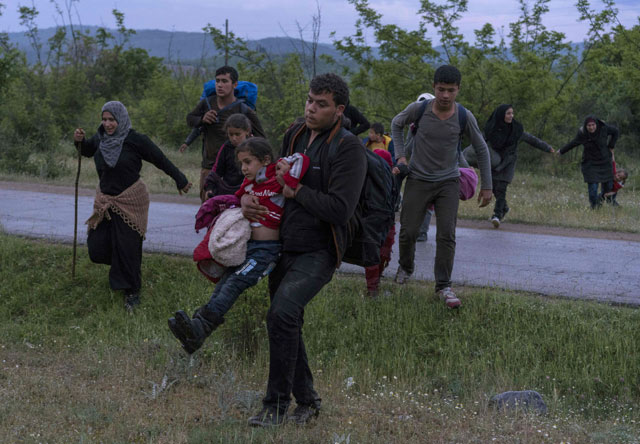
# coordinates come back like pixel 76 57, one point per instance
pixel 131 300
pixel 192 332
pixel 304 413
pixel 268 417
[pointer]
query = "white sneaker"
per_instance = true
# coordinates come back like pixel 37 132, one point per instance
pixel 495 221
pixel 401 276
pixel 449 297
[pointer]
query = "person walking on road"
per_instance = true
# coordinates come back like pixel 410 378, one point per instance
pixel 121 208
pixel 434 176
pixel 502 133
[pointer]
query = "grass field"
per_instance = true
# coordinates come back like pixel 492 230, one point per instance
pixel 402 368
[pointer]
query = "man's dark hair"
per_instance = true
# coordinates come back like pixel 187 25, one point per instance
pixel 233 74
pixel 377 128
pixel 331 83
pixel 447 74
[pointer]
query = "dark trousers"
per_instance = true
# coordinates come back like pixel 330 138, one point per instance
pixel 114 243
pixel 297 278
pixel 595 198
pixel 262 257
pixel 418 196
pixel 500 192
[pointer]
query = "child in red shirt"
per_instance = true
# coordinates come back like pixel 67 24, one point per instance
pixel 266 180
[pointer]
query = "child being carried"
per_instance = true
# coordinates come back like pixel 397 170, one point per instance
pixel 265 180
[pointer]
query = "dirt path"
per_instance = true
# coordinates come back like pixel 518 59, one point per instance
pixel 463 223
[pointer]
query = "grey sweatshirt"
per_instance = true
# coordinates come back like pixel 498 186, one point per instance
pixel 435 155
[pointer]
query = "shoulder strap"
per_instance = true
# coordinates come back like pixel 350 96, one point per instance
pixel 462 123
pixel 337 138
pixel 415 125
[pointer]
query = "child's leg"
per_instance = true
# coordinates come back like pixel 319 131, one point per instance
pixel 262 257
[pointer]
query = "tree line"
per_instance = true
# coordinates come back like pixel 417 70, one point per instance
pixel 551 83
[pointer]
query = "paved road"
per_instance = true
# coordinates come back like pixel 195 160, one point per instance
pixel 575 267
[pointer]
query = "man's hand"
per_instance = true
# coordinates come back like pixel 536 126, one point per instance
pixel 78 135
pixel 289 192
pixel 251 208
pixel 401 161
pixel 210 117
pixel 282 168
pixel 484 197
pixel 183 148
pixel 186 189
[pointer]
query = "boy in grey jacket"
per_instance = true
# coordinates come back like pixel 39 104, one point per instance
pixel 434 176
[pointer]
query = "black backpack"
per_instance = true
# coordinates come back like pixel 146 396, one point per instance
pixel 375 213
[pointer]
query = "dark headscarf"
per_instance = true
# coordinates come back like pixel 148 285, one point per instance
pixel 500 134
pixel 587 134
pixel 111 145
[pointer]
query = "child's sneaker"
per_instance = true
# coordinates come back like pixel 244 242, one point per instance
pixel 449 297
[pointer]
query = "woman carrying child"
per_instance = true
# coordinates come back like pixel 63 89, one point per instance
pixel 225 177
pixel 121 208
pixel 266 180
pixel 599 140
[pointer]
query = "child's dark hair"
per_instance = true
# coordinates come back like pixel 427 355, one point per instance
pixel 258 147
pixel 447 74
pixel 377 128
pixel 239 121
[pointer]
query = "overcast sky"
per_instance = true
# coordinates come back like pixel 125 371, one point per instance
pixel 255 19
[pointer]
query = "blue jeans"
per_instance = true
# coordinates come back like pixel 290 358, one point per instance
pixel 262 257
pixel 595 199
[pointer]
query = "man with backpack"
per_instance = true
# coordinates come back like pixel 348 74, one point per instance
pixel 212 112
pixel 313 232
pixel 434 175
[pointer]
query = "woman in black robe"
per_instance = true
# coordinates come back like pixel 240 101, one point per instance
pixel 119 221
pixel 599 140
pixel 503 133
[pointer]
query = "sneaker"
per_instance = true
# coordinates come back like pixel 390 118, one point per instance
pixel 495 221
pixel 401 276
pixel 131 300
pixel 422 237
pixel 303 414
pixel 449 297
pixel 268 417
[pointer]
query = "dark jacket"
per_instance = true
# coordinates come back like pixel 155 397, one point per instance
pixel 597 166
pixel 225 169
pixel 358 123
pixel 506 169
pixel 317 217
pixel 136 148
pixel 214 134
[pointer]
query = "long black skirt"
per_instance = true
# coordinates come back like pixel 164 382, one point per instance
pixel 114 243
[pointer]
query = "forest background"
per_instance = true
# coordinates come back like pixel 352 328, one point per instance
pixel 552 83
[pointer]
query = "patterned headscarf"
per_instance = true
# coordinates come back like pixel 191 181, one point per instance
pixel 111 145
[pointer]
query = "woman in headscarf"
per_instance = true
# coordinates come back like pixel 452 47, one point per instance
pixel 502 133
pixel 119 221
pixel 599 140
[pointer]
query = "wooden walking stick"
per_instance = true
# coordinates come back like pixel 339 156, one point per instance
pixel 75 221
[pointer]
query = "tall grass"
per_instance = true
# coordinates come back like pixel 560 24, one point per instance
pixel 402 368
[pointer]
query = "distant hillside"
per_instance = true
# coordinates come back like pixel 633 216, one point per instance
pixel 186 47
